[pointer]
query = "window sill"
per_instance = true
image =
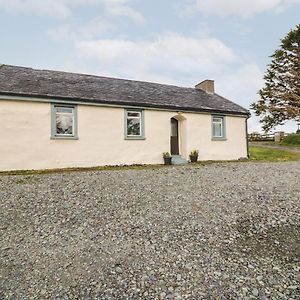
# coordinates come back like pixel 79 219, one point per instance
pixel 134 138
pixel 218 139
pixel 64 137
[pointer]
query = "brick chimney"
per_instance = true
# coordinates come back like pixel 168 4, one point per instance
pixel 207 85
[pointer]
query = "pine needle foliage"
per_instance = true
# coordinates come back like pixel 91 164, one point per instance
pixel 280 96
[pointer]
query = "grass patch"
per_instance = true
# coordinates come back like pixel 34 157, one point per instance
pixel 272 155
pixel 291 140
pixel 272 143
pixel 80 169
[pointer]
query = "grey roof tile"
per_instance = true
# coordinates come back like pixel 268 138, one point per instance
pixel 87 88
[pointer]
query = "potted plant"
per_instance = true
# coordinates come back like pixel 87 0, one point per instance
pixel 194 156
pixel 167 158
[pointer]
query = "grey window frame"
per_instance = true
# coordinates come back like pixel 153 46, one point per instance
pixel 142 124
pixel 56 136
pixel 223 128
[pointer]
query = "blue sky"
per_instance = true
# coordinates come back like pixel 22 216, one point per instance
pixel 178 42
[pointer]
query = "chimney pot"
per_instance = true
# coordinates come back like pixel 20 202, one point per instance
pixel 207 85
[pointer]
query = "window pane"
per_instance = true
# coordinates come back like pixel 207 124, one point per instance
pixel 217 120
pixel 174 128
pixel 217 130
pixel 64 109
pixel 64 123
pixel 133 126
pixel 133 114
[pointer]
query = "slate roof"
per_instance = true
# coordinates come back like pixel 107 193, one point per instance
pixel 21 81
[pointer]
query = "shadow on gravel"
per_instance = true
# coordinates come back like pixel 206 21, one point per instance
pixel 281 242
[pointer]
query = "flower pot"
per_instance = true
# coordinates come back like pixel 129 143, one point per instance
pixel 168 160
pixel 193 158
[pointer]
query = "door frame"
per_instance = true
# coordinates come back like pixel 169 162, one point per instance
pixel 174 139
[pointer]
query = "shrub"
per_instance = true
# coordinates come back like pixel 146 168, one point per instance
pixel 166 154
pixel 291 139
pixel 194 153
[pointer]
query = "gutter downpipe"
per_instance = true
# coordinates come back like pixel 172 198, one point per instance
pixel 247 141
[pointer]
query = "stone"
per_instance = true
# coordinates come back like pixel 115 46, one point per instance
pixel 255 292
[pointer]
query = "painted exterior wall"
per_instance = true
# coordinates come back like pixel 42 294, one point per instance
pixel 25 130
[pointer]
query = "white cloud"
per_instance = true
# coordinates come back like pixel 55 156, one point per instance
pixel 170 55
pixel 46 7
pixel 120 8
pixel 63 8
pixel 243 8
pixel 93 29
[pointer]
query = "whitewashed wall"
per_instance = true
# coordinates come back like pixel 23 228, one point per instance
pixel 25 130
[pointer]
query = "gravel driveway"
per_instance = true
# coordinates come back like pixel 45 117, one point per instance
pixel 221 231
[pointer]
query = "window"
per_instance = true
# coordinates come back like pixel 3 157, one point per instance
pixel 134 124
pixel 218 127
pixel 64 122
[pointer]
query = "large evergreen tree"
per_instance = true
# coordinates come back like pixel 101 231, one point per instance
pixel 280 96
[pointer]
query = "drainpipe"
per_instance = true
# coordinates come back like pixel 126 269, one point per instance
pixel 247 142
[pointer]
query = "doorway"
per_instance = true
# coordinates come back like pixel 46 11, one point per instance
pixel 174 137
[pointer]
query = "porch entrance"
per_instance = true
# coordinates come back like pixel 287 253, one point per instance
pixel 174 137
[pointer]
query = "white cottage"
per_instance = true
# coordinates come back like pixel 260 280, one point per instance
pixel 51 119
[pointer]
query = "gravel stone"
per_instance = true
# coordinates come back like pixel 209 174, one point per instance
pixel 255 292
pixel 218 231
